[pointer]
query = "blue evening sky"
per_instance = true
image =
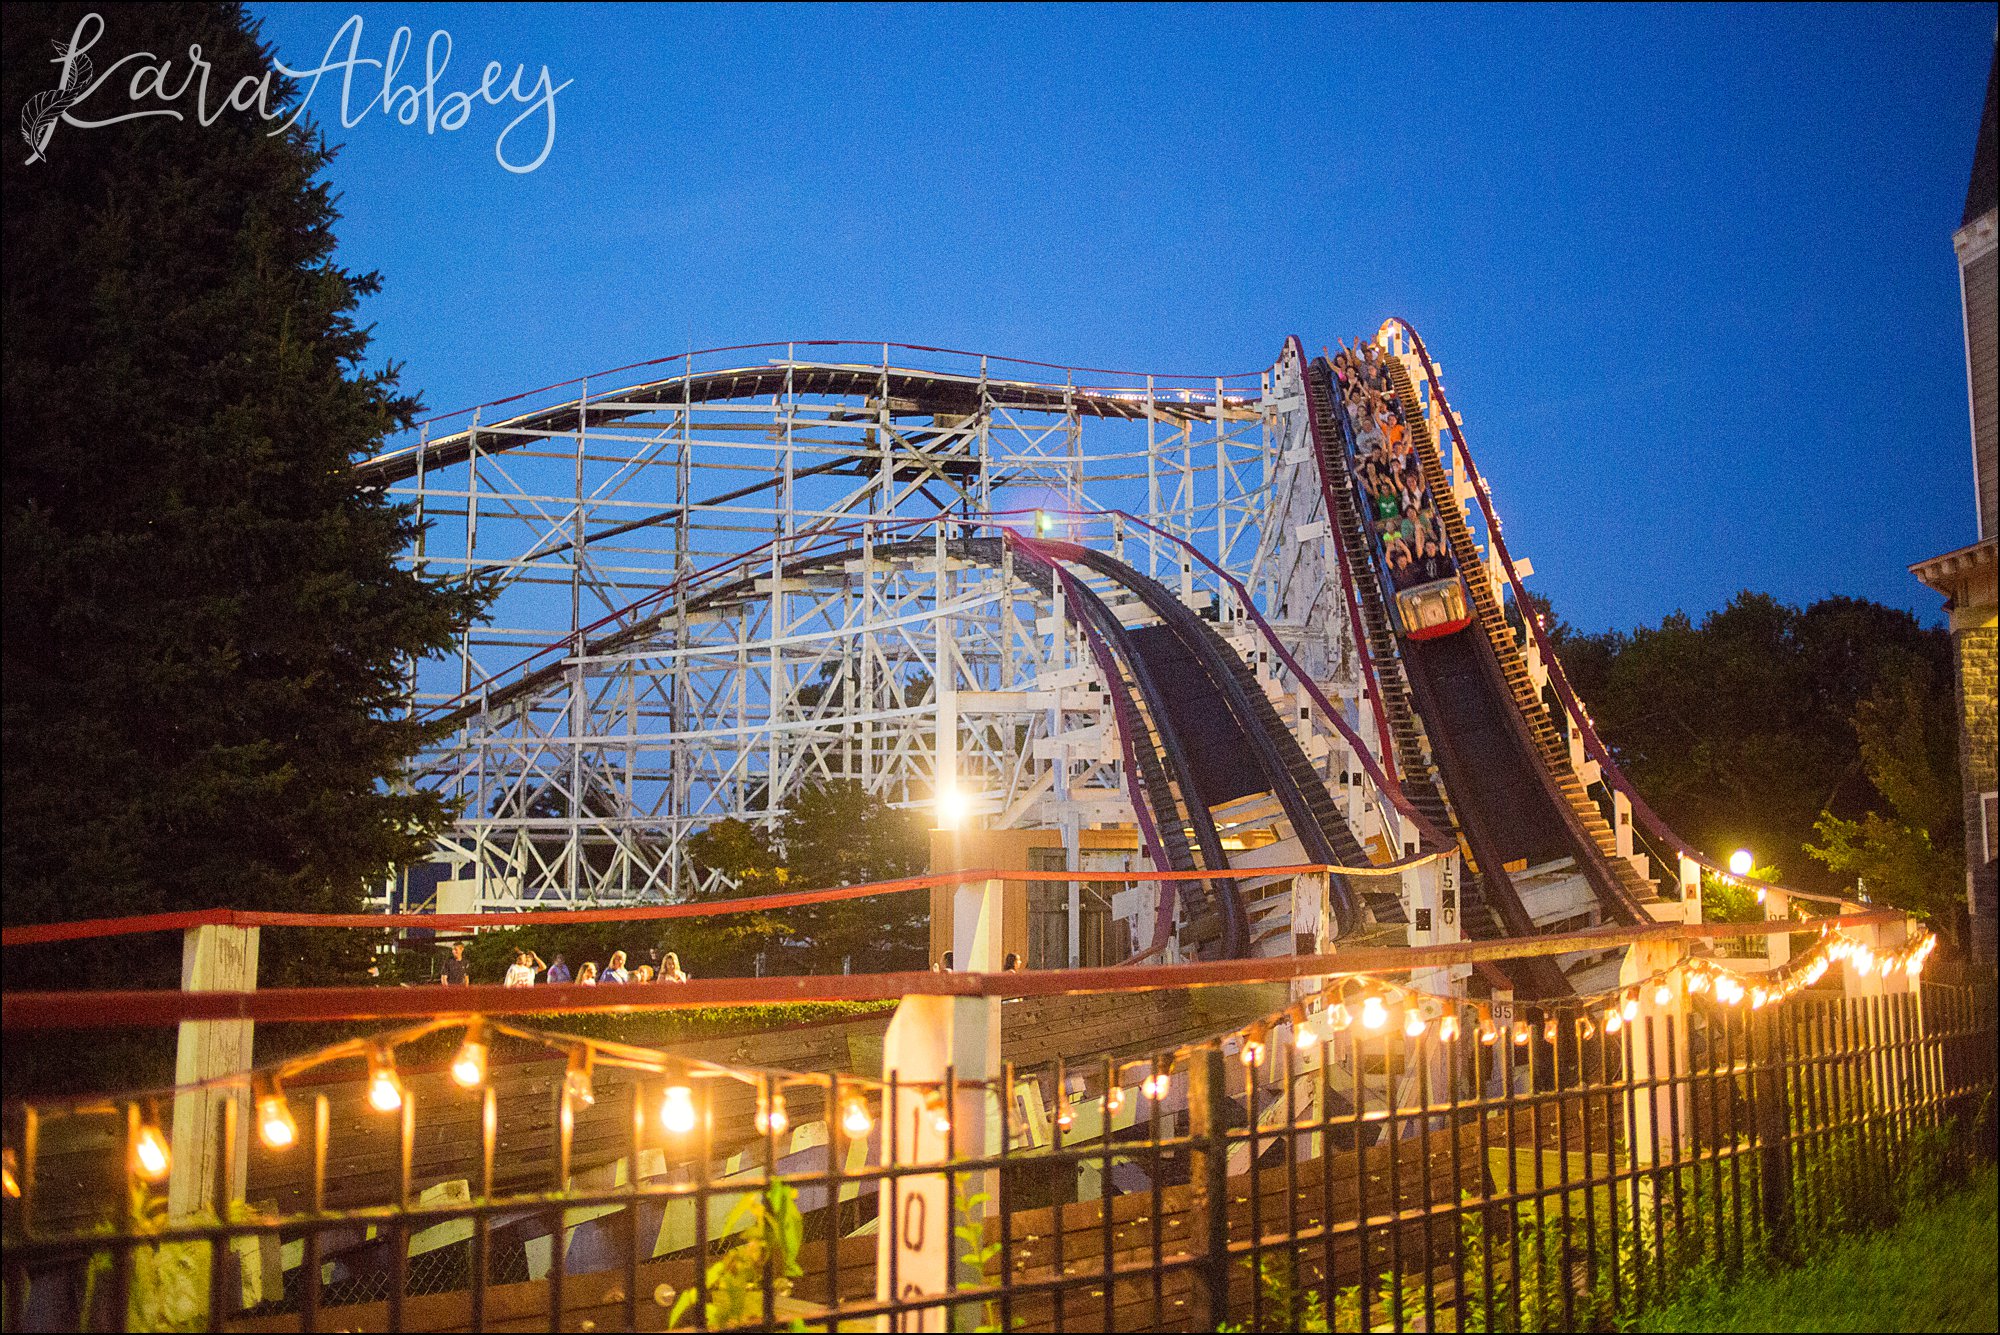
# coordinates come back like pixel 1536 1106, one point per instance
pixel 1688 270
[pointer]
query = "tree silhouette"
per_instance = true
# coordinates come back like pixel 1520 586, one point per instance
pixel 207 628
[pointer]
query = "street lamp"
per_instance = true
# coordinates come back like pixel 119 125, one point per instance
pixel 1740 862
pixel 952 808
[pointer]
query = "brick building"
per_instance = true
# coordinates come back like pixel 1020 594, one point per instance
pixel 1967 577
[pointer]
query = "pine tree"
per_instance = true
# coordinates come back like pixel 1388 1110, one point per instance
pixel 206 626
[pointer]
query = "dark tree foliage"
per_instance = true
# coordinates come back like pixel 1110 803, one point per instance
pixel 1911 854
pixel 206 628
pixel 727 945
pixel 834 834
pixel 837 834
pixel 1740 729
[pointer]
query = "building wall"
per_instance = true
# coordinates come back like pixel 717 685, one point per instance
pixel 1982 359
pixel 1001 850
pixel 1976 640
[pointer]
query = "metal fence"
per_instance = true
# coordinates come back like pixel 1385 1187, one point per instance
pixel 1543 1174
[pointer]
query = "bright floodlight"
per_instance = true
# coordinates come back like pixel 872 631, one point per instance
pixel 1740 862
pixel 952 808
pixel 1043 521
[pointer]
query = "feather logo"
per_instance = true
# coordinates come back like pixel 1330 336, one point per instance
pixel 43 111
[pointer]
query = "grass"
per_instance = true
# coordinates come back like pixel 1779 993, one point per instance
pixel 1933 1271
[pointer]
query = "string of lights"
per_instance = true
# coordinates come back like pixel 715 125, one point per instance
pixel 1362 1005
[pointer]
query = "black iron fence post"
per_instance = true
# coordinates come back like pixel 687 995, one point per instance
pixel 1774 1164
pixel 1208 1124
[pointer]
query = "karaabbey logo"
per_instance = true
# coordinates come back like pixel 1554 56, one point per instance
pixel 151 79
pixel 43 112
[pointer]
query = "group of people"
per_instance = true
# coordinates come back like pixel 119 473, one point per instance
pixel 528 966
pixel 1408 532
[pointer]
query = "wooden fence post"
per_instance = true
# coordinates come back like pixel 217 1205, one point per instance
pixel 214 958
pixel 210 1165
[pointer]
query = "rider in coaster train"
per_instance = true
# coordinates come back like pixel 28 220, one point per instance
pixel 1429 598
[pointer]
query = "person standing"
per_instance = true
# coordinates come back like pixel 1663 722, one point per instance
pixel 454 974
pixel 521 973
pixel 614 968
pixel 558 971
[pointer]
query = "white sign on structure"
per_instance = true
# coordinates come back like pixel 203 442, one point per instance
pixel 928 1038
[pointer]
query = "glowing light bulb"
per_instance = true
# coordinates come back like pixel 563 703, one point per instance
pixel 149 1153
pixel 1629 1011
pixel 385 1088
pixel 1916 965
pixel 1549 1030
pixel 1520 1033
pixel 677 1113
pixel 1339 1017
pixel 1584 1027
pixel 940 1119
pixel 854 1118
pixel 469 1067
pixel 1065 1115
pixel 771 1117
pixel 1154 1086
pixel 1662 993
pixel 1613 1021
pixel 1252 1051
pixel 1758 996
pixel 10 1184
pixel 275 1125
pixel 1487 1034
pixel 1114 1098
pixel 1448 1029
pixel 1303 1036
pixel 1413 1022
pixel 1373 1013
pixel 1741 862
pixel 1760 894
